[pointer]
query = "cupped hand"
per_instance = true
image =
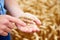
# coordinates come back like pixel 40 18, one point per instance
pixel 32 27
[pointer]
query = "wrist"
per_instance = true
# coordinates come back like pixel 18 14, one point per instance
pixel 17 13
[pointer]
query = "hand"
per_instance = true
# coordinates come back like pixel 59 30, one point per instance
pixel 6 24
pixel 30 16
pixel 29 28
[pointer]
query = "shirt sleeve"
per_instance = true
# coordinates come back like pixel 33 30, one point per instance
pixel 2 9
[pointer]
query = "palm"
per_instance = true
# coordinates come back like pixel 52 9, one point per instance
pixel 30 21
pixel 29 28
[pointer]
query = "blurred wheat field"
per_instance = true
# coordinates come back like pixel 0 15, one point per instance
pixel 48 11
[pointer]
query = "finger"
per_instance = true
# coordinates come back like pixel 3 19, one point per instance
pixel 35 29
pixel 15 20
pixel 10 25
pixel 8 30
pixel 34 18
pixel 2 33
pixel 5 28
pixel 37 21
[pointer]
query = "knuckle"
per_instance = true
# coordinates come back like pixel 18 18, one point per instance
pixel 3 27
pixel 8 30
pixel 4 21
pixel 11 26
pixel 4 34
pixel 1 32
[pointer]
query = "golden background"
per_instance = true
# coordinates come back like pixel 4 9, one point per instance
pixel 48 11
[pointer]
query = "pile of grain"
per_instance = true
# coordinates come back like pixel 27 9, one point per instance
pixel 48 12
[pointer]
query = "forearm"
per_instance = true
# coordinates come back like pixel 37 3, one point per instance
pixel 13 7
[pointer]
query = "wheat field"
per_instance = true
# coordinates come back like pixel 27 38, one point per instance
pixel 48 11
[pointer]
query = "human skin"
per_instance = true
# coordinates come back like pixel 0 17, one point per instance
pixel 6 20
